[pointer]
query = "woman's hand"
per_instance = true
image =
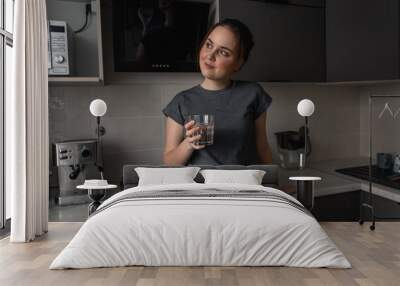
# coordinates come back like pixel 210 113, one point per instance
pixel 190 130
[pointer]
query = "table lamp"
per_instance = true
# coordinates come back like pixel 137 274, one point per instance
pixel 98 108
pixel 305 108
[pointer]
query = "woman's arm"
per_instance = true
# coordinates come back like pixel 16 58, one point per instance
pixel 178 151
pixel 263 150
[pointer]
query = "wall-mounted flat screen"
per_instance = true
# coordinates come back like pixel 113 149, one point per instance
pixel 159 35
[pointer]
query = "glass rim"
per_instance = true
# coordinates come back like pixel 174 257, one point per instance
pixel 208 117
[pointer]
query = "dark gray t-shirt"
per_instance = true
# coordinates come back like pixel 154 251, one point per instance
pixel 235 109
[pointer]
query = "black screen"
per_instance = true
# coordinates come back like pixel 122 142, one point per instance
pixel 162 35
pixel 57 29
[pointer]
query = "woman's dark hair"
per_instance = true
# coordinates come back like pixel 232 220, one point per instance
pixel 242 33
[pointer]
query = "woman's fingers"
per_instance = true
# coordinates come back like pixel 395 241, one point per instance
pixel 189 124
pixel 192 131
pixel 191 128
pixel 191 135
pixel 193 139
pixel 198 147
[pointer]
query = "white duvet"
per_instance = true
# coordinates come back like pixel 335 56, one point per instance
pixel 206 231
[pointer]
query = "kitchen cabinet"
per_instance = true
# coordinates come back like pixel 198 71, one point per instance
pixel 86 57
pixel 289 39
pixel 346 207
pixel 362 40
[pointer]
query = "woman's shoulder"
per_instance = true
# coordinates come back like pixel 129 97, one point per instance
pixel 178 103
pixel 250 87
pixel 255 95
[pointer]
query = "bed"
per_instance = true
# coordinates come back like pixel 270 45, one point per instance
pixel 198 224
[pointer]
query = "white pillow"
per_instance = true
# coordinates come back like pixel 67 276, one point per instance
pixel 249 177
pixel 162 176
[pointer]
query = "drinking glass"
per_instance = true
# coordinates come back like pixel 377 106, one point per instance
pixel 205 122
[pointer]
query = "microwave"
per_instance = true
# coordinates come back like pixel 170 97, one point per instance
pixel 59 48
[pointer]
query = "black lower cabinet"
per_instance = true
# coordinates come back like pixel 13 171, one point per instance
pixel 346 207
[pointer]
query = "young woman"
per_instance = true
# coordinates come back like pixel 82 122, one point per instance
pixel 239 107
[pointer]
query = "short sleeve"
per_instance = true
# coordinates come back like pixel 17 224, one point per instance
pixel 174 109
pixel 262 101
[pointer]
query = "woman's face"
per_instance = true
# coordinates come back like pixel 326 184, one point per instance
pixel 219 56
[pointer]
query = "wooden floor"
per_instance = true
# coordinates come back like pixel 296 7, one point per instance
pixel 375 257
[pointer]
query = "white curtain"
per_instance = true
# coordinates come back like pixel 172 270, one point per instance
pixel 27 124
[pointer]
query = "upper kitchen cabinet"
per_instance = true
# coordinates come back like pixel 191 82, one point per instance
pixel 75 42
pixel 362 40
pixel 289 39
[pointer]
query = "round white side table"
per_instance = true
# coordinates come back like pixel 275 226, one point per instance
pixel 305 190
pixel 95 193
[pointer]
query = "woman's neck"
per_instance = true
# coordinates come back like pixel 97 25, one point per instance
pixel 216 85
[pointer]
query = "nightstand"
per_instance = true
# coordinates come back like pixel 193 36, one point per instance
pixel 305 190
pixel 95 193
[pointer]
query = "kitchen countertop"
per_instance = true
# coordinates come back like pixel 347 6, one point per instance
pixel 334 183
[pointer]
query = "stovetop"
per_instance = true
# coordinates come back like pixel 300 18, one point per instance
pixel 378 176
